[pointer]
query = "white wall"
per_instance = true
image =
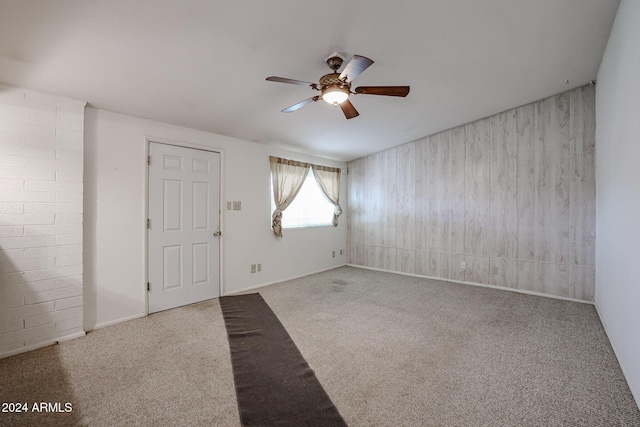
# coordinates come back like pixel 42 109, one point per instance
pixel 618 190
pixel 115 204
pixel 41 144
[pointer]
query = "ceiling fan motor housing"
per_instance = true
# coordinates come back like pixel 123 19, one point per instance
pixel 332 83
pixel 331 80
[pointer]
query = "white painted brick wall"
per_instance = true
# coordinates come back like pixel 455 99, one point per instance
pixel 41 190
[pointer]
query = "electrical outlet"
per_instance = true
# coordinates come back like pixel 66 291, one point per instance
pixel 259 267
pixel 333 254
pixel 253 268
pixel 237 205
pixel 341 252
pixel 463 265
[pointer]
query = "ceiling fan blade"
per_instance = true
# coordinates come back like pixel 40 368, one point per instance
pixel 290 81
pixel 383 90
pixel 349 110
pixel 301 104
pixel 355 67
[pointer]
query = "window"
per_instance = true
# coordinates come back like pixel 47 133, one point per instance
pixel 310 208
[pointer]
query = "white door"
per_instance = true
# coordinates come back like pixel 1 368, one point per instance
pixel 184 224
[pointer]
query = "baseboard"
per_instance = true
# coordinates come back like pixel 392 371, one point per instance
pixel 72 336
pixel 42 344
pixel 116 321
pixel 635 391
pixel 262 285
pixel 482 285
pixel 249 288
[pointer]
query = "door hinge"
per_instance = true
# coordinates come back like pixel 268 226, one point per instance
pixel 148 160
pixel 148 286
pixel 148 223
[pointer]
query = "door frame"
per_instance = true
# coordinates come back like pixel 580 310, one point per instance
pixel 182 144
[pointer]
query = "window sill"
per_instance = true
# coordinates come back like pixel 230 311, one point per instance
pixel 306 226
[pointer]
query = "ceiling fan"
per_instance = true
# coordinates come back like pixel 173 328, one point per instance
pixel 335 88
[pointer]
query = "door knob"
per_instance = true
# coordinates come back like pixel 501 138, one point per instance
pixel 217 233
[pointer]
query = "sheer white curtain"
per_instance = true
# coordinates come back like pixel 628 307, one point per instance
pixel 329 181
pixel 288 177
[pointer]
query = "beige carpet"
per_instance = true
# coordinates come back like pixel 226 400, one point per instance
pixel 167 369
pixel 389 350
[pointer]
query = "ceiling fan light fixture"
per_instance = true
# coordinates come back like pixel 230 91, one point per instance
pixel 335 95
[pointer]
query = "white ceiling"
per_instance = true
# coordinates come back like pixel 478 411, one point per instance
pixel 203 63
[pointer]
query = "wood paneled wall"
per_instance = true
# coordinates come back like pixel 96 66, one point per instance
pixel 512 195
